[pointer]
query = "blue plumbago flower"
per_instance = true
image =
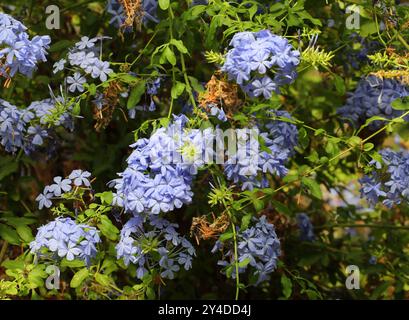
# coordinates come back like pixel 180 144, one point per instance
pixel 25 128
pixel 215 111
pixel 390 181
pixel 116 10
pixel 86 43
pixel 373 97
pixel 44 200
pixel 251 166
pixel 64 238
pixel 261 62
pixel 20 54
pixel 99 100
pixel 153 86
pixel 150 243
pixel 306 227
pixel 77 178
pixel 76 82
pixel 258 245
pixel 59 65
pixel 160 169
pixel 84 59
pixel 264 86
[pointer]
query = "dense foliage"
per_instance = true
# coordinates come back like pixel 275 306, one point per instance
pixel 109 174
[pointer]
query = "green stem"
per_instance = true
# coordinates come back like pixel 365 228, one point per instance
pixel 171 16
pixel 236 256
pixel 402 40
pixel 187 82
pixel 147 44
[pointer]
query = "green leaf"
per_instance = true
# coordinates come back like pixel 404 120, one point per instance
pixel 9 234
pixel 197 10
pixel 72 263
pixel 25 233
pixel 169 55
pixel 164 122
pixel 164 4
pixel 92 88
pixel 13 264
pixel 245 221
pixel 280 207
pixel 196 84
pixel 150 293
pixel 225 236
pixel 354 141
pixel 372 119
pixel 136 94
pixel 303 138
pixel 106 197
pixel 77 109
pixel 244 263
pixel 103 279
pixel 109 266
pixel 313 186
pixel 8 168
pixel 258 204
pixel 177 89
pixel 108 229
pixel 60 45
pixel 368 28
pixel 127 78
pixel 19 221
pixel 179 45
pixel 287 286
pixel 368 146
pixel 339 84
pixel 79 278
pixel 401 104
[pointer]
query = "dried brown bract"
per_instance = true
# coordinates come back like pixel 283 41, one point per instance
pixel 401 75
pixel 202 229
pixel 103 115
pixel 221 93
pixel 133 12
pixel 5 74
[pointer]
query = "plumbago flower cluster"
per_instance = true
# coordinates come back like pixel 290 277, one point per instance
pixel 17 52
pixel 64 238
pixel 77 178
pixel 27 129
pixel 373 97
pixel 83 59
pixel 160 169
pixel 151 242
pixel 257 246
pixel 261 62
pixel 389 183
pixel 250 167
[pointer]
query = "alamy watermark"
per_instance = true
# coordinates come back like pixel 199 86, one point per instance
pixel 53 280
pixel 352 280
pixel 53 20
